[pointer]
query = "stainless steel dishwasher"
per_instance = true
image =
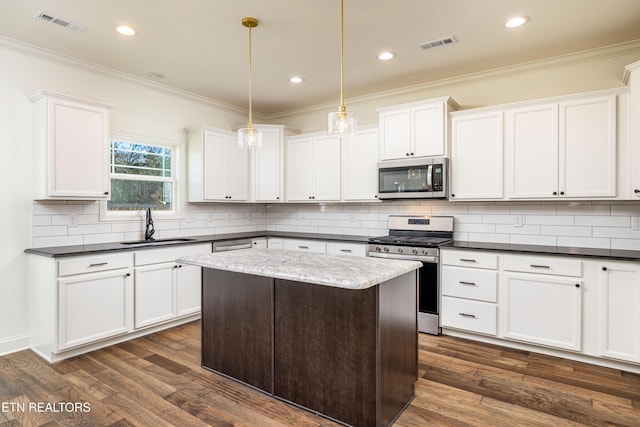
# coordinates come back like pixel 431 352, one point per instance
pixel 231 245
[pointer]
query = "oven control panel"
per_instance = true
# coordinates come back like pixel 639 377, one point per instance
pixel 406 252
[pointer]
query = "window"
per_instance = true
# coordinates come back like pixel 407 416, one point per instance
pixel 142 175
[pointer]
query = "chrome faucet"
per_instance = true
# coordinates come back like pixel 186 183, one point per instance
pixel 149 230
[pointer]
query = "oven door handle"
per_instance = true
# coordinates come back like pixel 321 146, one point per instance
pixel 429 259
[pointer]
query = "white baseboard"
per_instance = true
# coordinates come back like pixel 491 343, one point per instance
pixel 14 344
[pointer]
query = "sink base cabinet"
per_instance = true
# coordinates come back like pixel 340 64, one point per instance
pixel 349 355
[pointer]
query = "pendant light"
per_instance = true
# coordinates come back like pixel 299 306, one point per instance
pixel 249 137
pixel 342 122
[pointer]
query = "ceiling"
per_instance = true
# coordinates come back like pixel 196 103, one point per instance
pixel 200 46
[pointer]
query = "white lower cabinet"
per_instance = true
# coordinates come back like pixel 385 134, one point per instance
pixel 542 309
pixel 165 289
pixel 619 310
pixel 316 246
pixel 469 283
pixel 349 249
pixel 94 306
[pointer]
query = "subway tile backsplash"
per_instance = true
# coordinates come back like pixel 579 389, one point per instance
pixel 586 224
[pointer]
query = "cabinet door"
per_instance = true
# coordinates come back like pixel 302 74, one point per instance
pixel 360 163
pixel 237 162
pixel 427 130
pixel 78 150
pixel 95 306
pixel 155 294
pixel 588 147
pixel 188 289
pixel 395 135
pixel 476 156
pixel 531 150
pixel 619 310
pixel 267 167
pixel 326 168
pixel 299 169
pixel 542 309
pixel 214 166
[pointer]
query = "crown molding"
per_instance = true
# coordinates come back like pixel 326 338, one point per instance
pixel 49 55
pixel 620 49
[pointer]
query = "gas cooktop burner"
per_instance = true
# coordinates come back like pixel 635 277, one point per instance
pixel 421 241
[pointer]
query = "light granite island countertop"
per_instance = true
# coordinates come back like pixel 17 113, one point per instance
pixel 339 271
pixel 334 334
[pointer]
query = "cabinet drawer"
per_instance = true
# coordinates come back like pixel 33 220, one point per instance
pixel 472 316
pixel 470 283
pixel 94 263
pixel 544 265
pixel 475 259
pixel 352 249
pixel 156 256
pixel 304 245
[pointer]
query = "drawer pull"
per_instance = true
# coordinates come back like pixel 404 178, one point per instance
pixel 98 264
pixel 539 266
pixel 303 247
pixel 346 250
pixel 468 283
pixel 467 260
pixel 472 316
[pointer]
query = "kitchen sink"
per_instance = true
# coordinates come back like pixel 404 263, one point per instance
pixel 157 241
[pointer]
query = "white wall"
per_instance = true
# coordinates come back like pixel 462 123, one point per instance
pixel 142 109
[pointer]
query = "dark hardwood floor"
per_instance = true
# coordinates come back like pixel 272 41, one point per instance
pixel 157 381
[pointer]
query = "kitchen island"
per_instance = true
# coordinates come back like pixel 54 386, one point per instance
pixel 336 335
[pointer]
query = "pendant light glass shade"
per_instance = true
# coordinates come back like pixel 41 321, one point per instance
pixel 249 137
pixel 342 122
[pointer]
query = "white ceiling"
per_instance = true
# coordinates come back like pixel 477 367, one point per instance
pixel 202 47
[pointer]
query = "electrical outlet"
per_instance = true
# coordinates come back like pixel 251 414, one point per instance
pixel 517 221
pixel 635 223
pixel 191 217
pixel 73 220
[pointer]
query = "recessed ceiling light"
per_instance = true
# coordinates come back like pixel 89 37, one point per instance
pixel 296 79
pixel 125 30
pixel 516 21
pixel 385 56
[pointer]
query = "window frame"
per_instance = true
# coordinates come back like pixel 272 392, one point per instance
pixel 137 214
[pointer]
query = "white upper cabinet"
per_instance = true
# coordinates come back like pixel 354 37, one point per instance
pixel 71 147
pixel 476 156
pixel 563 149
pixel 266 165
pixel 313 165
pixel 360 165
pixel 415 130
pixel 632 78
pixel 218 168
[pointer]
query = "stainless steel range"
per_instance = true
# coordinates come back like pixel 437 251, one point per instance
pixel 417 238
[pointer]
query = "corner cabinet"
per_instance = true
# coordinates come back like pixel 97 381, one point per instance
pixel 313 166
pixel 217 167
pixel 619 310
pixel 71 147
pixel 417 129
pixel 360 166
pixel 553 149
pixel 476 156
pixel 267 183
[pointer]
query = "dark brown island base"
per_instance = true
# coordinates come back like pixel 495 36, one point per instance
pixel 336 343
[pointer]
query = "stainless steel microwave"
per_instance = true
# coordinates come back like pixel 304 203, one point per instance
pixel 424 178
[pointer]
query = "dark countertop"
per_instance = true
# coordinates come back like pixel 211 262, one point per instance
pixel 610 254
pixel 78 250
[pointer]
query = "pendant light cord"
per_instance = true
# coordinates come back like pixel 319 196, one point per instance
pixel 341 54
pixel 250 83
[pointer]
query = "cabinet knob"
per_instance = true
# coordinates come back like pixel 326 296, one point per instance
pixel 128 275
pixel 577 285
pixel 175 266
pixel 412 154
pixel 562 193
pixel 604 268
pixel 636 191
pixel 453 195
pixel 375 197
pixel 278 198
pixel 106 193
pixel 555 193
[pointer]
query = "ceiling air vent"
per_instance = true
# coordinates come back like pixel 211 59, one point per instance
pixel 60 22
pixel 437 43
